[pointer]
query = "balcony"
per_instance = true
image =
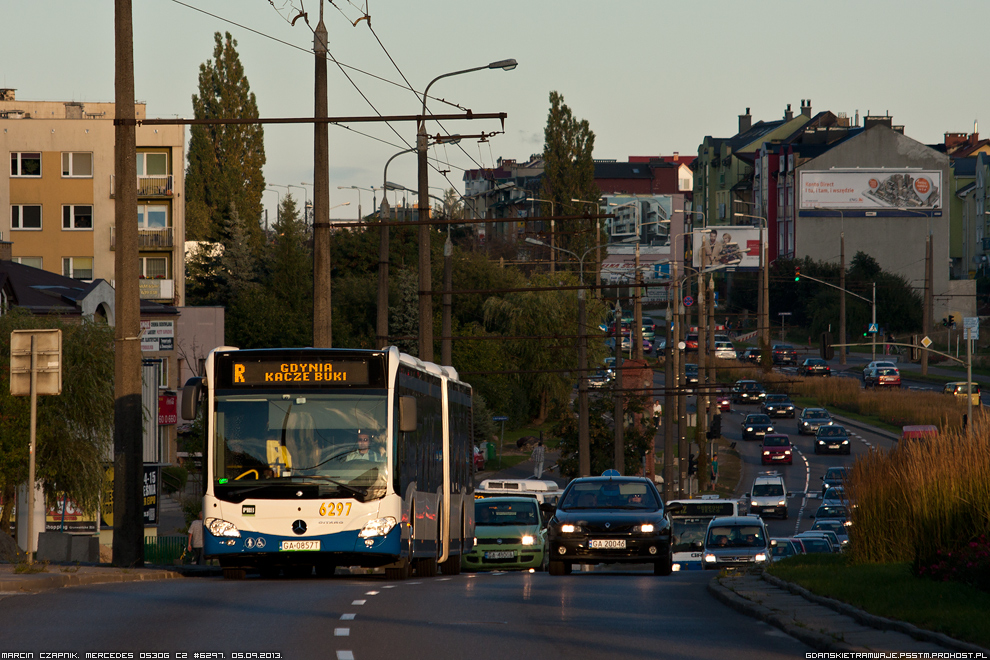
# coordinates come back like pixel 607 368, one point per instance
pixel 149 186
pixel 148 239
pixel 155 289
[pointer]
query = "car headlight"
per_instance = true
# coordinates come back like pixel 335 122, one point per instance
pixel 766 453
pixel 769 429
pixel 528 540
pixel 790 407
pixel 820 441
pixel 787 452
pixel 847 523
pixel 782 503
pixel 710 558
pixel 377 527
pixel 845 442
pixel 646 528
pixel 568 529
pixel 220 527
pixel 761 556
pixel 804 423
pixel 749 429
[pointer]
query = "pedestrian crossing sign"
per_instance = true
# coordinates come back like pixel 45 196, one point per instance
pixel 873 329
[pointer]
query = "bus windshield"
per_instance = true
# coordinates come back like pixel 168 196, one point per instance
pixel 688 531
pixel 335 440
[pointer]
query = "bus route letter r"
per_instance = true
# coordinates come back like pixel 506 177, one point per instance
pixel 238 373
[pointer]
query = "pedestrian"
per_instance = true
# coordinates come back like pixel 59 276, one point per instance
pixel 538 455
pixel 714 468
pixel 657 412
pixel 195 544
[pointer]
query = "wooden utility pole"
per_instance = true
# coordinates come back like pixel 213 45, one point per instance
pixel 842 297
pixel 619 412
pixel 381 329
pixel 322 332
pixel 128 460
pixel 926 314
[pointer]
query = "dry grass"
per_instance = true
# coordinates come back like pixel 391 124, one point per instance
pixel 922 497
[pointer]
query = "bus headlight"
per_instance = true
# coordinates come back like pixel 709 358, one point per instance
pixel 762 556
pixel 710 558
pixel 377 527
pixel 220 527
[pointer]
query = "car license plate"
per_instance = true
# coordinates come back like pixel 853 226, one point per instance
pixel 299 545
pixel 777 457
pixel 833 446
pixel 500 554
pixel 607 544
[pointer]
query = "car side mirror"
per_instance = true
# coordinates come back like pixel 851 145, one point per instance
pixel 547 510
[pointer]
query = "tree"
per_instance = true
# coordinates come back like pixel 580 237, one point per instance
pixel 74 429
pixel 569 171
pixel 225 160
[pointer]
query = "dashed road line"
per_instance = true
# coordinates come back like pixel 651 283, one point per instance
pixel 341 632
pixel 358 602
pixel 345 655
pixel 347 617
pixel 370 593
pixel 804 495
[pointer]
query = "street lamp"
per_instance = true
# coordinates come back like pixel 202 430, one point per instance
pixel 359 189
pixel 278 208
pixel 425 284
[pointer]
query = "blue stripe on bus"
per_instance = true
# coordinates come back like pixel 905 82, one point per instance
pixel 349 542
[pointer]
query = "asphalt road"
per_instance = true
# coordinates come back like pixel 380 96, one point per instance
pixel 602 614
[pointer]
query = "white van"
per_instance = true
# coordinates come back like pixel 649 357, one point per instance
pixel 545 492
pixel 768 495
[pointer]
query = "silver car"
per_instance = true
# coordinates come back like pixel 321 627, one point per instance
pixel 812 419
pixel 736 541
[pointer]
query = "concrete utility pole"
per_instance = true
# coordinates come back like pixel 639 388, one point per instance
pixel 619 412
pixel 669 401
pixel 842 297
pixel 636 336
pixel 700 395
pixel 683 447
pixel 584 434
pixel 446 326
pixel 128 460
pixel 381 322
pixel 322 330
pixel 926 314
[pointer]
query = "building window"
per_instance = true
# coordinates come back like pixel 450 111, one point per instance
pixel 79 268
pixel 33 262
pixel 152 164
pixel 153 216
pixel 25 163
pixel 77 216
pixel 77 164
pixel 25 216
pixel 153 268
pixel 163 375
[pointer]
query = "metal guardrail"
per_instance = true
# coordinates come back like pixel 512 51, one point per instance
pixel 164 550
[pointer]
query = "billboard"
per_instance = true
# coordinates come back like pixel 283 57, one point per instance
pixel 635 215
pixel 871 189
pixel 733 247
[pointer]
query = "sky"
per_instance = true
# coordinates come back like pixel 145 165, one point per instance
pixel 651 76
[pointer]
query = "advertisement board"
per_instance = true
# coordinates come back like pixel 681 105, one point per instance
pixel 733 247
pixel 157 336
pixel 871 189
pixel 64 515
pixel 633 214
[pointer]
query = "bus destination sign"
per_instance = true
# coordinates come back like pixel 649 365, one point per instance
pixel 702 508
pixel 299 372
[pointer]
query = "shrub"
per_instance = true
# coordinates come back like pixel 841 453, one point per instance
pixel 969 564
pixel 174 478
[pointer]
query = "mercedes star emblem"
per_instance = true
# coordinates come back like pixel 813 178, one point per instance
pixel 299 527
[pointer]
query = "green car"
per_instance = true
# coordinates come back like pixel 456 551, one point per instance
pixel 509 534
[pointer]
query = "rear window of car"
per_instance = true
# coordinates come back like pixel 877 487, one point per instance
pixel 816 545
pixel 888 372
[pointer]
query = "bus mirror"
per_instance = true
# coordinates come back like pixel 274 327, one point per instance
pixel 698 545
pixel 674 507
pixel 191 393
pixel 547 510
pixel 407 414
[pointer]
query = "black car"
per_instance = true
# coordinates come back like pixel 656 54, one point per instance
pixel 748 391
pixel 691 374
pixel 834 476
pixel 610 520
pixel 778 405
pixel 833 439
pixel 751 355
pixel 814 367
pixel 783 354
pixel 755 426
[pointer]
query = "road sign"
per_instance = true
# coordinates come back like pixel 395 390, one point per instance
pixel 971 333
pixel 926 342
pixel 873 330
pixel 688 301
pixel 971 321
pixel 48 351
pixel 500 418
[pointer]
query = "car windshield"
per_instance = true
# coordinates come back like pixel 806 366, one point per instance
pixel 691 369
pixel 831 432
pixel 776 398
pixel 757 419
pixel 752 387
pixel 783 549
pixel 776 441
pixel 768 490
pixel 611 494
pixel 815 414
pixel 493 512
pixel 736 536
pixel 832 512
pixel 835 474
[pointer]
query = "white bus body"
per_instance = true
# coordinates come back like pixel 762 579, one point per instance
pixel 688 526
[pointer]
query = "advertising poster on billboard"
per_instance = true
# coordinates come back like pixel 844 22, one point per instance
pixel 735 248
pixel 871 189
pixel 64 515
pixel 644 216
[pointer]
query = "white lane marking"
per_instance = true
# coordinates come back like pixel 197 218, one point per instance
pixel 804 496
pixel 358 602
pixel 370 593
pixel 389 586
pixel 347 617
pixel 414 583
pixel 341 632
pixel 443 579
pixel 345 655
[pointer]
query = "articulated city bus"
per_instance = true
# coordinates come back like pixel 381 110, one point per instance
pixel 689 524
pixel 318 458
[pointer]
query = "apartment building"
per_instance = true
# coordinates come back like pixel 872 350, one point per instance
pixel 59 193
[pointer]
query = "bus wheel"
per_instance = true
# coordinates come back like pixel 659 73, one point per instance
pixel 234 574
pixel 325 570
pixel 452 566
pixel 426 567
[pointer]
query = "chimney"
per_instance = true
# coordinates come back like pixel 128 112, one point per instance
pixel 788 114
pixel 806 108
pixel 677 156
pixel 745 122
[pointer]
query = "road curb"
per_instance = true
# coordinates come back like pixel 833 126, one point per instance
pixel 874 621
pixel 816 640
pixel 863 426
pixel 35 582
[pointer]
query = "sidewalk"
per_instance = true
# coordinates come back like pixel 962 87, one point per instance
pixel 56 575
pixel 825 624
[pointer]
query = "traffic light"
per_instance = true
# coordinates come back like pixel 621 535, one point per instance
pixel 945 322
pixel 692 464
pixel 797 273
pixel 715 432
pixel 866 331
pixel 825 349
pixel 952 321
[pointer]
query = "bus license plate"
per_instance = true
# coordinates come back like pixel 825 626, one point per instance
pixel 607 544
pixel 500 554
pixel 299 545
